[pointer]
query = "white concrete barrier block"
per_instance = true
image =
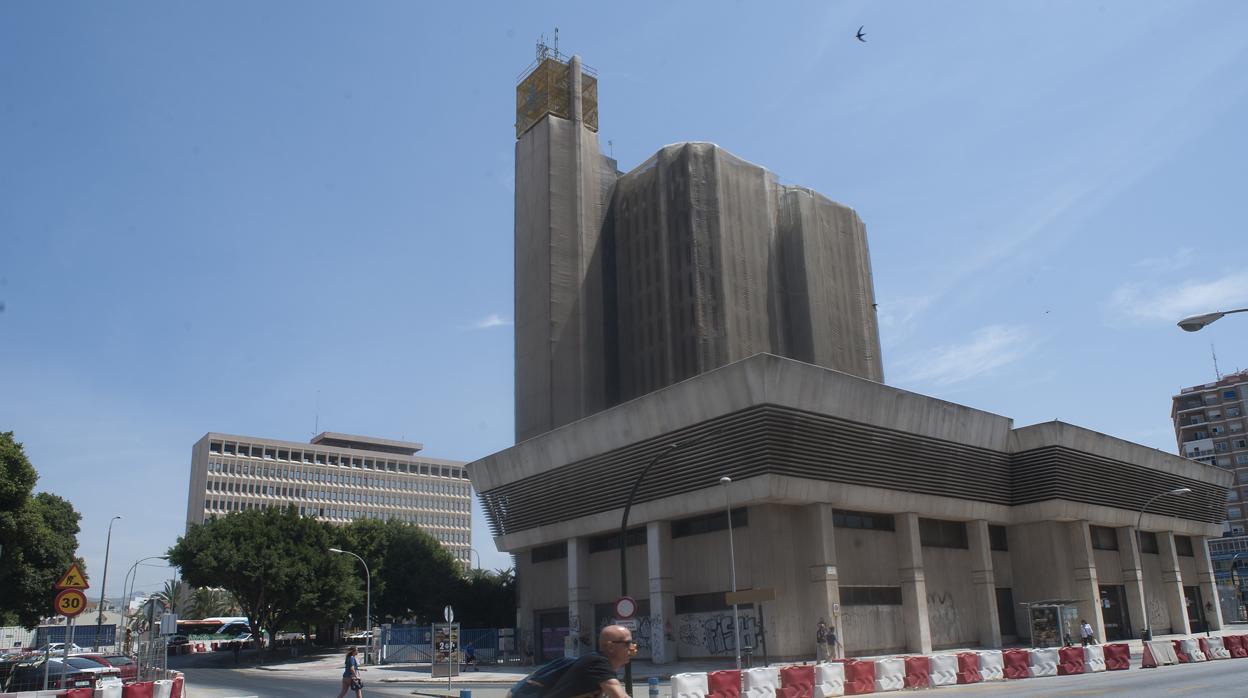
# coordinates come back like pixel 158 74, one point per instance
pixel 1163 652
pixel 829 680
pixel 1093 659
pixel 1042 661
pixel 991 665
pixel 890 674
pixel 689 686
pixel 1218 648
pixel 1191 648
pixel 943 669
pixel 109 690
pixel 162 689
pixel 760 682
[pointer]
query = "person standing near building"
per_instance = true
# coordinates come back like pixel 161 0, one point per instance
pixel 821 642
pixel 1085 631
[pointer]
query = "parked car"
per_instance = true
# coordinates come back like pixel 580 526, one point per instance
pixel 128 667
pixel 73 672
pixel 58 648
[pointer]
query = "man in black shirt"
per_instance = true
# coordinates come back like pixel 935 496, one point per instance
pixel 595 673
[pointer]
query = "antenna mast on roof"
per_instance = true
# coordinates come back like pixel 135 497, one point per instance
pixel 1217 374
pixel 544 51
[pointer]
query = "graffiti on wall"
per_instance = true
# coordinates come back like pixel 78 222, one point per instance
pixel 944 621
pixel 711 634
pixel 870 629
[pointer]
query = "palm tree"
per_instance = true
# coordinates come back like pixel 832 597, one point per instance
pixel 175 597
pixel 207 602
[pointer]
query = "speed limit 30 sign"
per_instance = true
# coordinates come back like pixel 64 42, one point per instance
pixel 70 602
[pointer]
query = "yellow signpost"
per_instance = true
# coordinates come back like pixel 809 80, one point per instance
pixel 73 578
pixel 70 602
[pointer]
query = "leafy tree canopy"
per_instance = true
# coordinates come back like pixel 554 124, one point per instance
pixel 275 562
pixel 39 535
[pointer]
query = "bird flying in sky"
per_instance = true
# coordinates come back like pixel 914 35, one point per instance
pixel 860 36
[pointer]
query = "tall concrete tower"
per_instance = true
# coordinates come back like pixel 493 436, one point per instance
pixel 563 185
pixel 627 283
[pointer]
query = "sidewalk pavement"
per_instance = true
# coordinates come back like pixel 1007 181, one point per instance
pixel 505 675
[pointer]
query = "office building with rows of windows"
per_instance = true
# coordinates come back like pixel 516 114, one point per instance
pixel 1209 425
pixel 336 478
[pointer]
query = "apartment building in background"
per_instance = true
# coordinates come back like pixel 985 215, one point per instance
pixel 1209 425
pixel 336 478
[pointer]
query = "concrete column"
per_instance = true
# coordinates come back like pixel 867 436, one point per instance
pixel 913 584
pixel 1087 586
pixel 984 579
pixel 662 595
pixel 1133 579
pixel 825 589
pixel 1208 584
pixel 580 606
pixel 1172 584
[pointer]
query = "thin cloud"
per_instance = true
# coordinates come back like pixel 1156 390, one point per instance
pixel 989 348
pixel 898 317
pixel 491 320
pixel 1149 303
pixel 1182 259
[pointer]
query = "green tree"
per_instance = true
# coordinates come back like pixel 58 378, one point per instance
pixel 487 599
pixel 275 562
pixel 38 535
pixel 417 576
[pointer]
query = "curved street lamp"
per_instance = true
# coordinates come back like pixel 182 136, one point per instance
pixel 628 506
pixel 1148 625
pixel 368 599
pixel 127 586
pixel 99 616
pixel 1196 323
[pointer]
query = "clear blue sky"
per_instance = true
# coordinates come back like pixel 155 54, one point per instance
pixel 232 216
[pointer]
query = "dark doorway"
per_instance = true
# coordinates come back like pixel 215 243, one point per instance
pixel 1195 609
pixel 1005 613
pixel 1114 611
pixel 552 627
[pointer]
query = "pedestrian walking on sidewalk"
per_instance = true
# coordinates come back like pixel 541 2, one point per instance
pixel 1085 631
pixel 351 680
pixel 821 642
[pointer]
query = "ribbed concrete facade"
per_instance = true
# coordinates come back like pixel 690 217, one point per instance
pixel 626 283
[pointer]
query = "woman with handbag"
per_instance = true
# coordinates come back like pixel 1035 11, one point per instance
pixel 351 680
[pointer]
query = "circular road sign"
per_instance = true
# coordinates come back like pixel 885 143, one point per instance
pixel 625 607
pixel 70 602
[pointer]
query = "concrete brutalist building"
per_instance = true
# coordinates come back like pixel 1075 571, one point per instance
pixel 694 319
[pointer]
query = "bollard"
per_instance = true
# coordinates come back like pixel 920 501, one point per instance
pixel 465 693
pixel 654 686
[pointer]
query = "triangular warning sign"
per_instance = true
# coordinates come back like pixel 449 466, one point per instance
pixel 73 578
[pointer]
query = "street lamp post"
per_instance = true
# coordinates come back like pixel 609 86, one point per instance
pixel 732 562
pixel 474 550
pixel 99 616
pixel 127 586
pixel 1148 624
pixel 628 506
pixel 368 599
pixel 1196 323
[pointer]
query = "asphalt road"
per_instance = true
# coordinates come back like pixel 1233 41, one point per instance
pixel 1220 679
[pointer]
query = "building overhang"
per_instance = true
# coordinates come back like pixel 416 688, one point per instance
pixel 789 432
